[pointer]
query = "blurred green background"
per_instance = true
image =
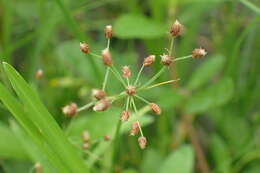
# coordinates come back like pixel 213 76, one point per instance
pixel 210 120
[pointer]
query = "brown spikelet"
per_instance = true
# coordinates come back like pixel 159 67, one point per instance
pixel 130 90
pixel 101 105
pixel 38 168
pixel 108 31
pixel 142 142
pixel 166 60
pixel 106 57
pixel 155 108
pixel 98 94
pixel 124 115
pixel 134 128
pixel 149 60
pixel 38 75
pixel 70 110
pixel 198 53
pixel 85 136
pixel 84 47
pixel 176 29
pixel 126 72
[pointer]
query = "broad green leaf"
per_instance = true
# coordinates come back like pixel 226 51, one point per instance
pixel 220 154
pixel 17 111
pixel 10 147
pixel 206 71
pixel 180 161
pixel 44 121
pixel 216 95
pixel 32 150
pixel 137 26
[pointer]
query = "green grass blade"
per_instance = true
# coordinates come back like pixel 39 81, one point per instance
pixel 251 6
pixel 17 111
pixel 40 116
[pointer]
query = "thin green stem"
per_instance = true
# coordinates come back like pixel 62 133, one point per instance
pixel 157 75
pixel 117 75
pixel 161 83
pixel 138 75
pixel 251 6
pixel 87 106
pixel 182 58
pixel 171 46
pixel 105 79
pixel 127 80
pixel 135 109
pixel 142 99
pixel 95 55
pixel 108 43
pixel 127 103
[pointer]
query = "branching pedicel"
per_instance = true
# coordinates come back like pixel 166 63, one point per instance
pixel 132 89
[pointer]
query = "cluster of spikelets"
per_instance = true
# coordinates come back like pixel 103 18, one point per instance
pixel 132 87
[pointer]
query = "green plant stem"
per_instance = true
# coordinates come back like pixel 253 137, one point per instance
pixel 94 55
pixel 161 83
pixel 157 75
pixel 117 75
pixel 182 58
pixel 108 43
pixel 135 109
pixel 142 99
pixel 251 6
pixel 171 46
pixel 87 106
pixel 105 79
pixel 138 75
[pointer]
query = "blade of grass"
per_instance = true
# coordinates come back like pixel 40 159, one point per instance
pixel 17 111
pixel 251 6
pixel 45 122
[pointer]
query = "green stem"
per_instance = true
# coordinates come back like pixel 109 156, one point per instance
pixel 251 6
pixel 135 109
pixel 85 106
pixel 171 46
pixel 117 75
pixel 105 79
pixel 182 58
pixel 142 99
pixel 157 75
pixel 139 74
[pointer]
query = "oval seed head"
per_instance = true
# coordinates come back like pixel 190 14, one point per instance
pixel 142 142
pixel 108 31
pixel 155 108
pixel 101 105
pixel 84 47
pixel 130 90
pixel 38 75
pixel 149 60
pixel 126 72
pixel 198 53
pixel 134 128
pixel 124 115
pixel 70 110
pixel 98 94
pixel 107 138
pixel 38 168
pixel 166 60
pixel 85 136
pixel 85 146
pixel 176 29
pixel 106 57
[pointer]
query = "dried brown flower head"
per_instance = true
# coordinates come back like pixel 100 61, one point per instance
pixel 106 57
pixel 85 136
pixel 84 47
pixel 155 108
pixel 98 94
pixel 70 110
pixel 38 168
pixel 134 128
pixel 38 75
pixel 85 146
pixel 125 115
pixel 149 60
pixel 126 72
pixel 108 31
pixel 130 90
pixel 107 138
pixel 176 29
pixel 142 142
pixel 101 105
pixel 198 53
pixel 166 60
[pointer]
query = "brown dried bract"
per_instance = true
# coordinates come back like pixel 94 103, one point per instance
pixel 155 108
pixel 70 110
pixel 130 90
pixel 126 72
pixel 142 142
pixel 198 53
pixel 108 31
pixel 149 60
pixel 85 136
pixel 98 94
pixel 101 105
pixel 134 128
pixel 38 75
pixel 106 57
pixel 84 47
pixel 176 29
pixel 166 60
pixel 125 115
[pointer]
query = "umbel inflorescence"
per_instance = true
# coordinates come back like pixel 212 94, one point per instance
pixel 132 89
